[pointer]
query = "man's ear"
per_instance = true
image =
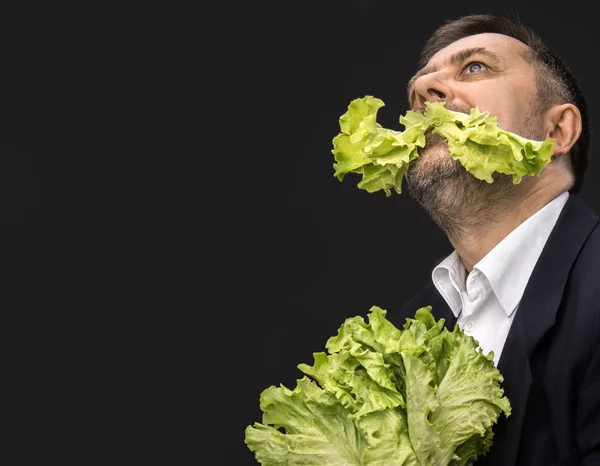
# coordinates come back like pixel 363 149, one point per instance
pixel 563 124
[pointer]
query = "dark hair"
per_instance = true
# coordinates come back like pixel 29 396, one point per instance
pixel 555 82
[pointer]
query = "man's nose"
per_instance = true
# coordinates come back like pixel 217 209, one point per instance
pixel 432 87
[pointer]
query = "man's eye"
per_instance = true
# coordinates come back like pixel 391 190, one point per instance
pixel 475 66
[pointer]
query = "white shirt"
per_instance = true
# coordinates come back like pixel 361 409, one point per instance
pixel 485 301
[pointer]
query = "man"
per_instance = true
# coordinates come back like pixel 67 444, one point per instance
pixel 524 276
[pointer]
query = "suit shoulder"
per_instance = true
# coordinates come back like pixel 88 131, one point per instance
pixel 589 256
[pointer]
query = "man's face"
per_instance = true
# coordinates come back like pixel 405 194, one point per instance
pixel 486 71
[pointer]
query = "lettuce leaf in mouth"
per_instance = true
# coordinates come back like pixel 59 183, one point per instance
pixel 417 396
pixel 382 155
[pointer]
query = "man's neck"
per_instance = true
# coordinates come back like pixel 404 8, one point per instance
pixel 473 244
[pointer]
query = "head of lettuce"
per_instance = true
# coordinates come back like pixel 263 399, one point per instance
pixel 417 396
pixel 381 156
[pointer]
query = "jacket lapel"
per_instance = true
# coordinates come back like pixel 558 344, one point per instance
pixel 535 316
pixel 516 371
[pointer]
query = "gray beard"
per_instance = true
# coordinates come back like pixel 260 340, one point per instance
pixel 453 197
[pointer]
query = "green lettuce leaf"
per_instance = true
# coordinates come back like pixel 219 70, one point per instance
pixel 380 395
pixel 381 156
pixel 317 429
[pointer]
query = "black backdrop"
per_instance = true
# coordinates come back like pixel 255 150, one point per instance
pixel 174 238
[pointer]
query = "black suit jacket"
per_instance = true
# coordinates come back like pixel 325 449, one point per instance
pixel 551 358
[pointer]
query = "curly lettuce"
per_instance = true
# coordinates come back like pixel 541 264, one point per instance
pixel 417 396
pixel 381 156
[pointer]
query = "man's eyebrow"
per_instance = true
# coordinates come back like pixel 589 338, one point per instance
pixel 456 58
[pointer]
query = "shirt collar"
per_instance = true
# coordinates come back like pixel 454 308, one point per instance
pixel 510 263
pixel 449 277
pixel 507 266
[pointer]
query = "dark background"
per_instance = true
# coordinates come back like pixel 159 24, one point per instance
pixel 174 240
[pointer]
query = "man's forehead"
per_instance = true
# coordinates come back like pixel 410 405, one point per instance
pixel 498 43
pixel 503 51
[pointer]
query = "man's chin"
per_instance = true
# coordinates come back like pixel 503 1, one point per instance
pixel 435 153
pixel 434 161
pixel 434 169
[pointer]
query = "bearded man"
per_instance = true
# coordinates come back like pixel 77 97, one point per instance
pixel 524 275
